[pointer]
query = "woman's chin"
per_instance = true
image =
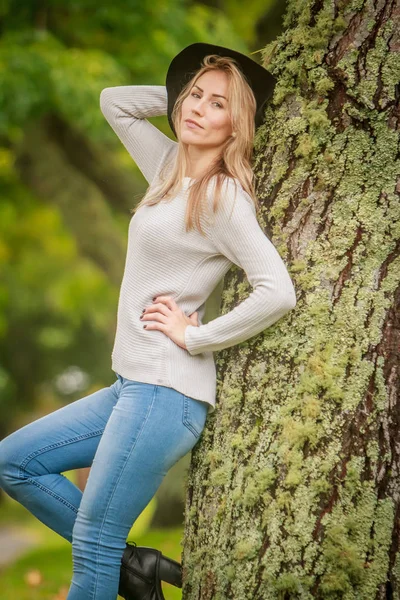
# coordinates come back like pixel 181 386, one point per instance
pixel 187 137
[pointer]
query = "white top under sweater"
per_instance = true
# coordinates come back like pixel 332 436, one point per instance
pixel 162 259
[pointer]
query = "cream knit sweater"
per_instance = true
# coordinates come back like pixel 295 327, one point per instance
pixel 162 259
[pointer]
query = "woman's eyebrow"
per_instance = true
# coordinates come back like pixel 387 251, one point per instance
pixel 218 95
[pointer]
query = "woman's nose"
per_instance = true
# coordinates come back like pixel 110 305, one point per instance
pixel 198 108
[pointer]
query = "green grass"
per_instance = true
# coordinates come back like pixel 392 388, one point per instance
pixel 49 564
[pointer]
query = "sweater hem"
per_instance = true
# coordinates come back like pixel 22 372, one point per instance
pixel 132 375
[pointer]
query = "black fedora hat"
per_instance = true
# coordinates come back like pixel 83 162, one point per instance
pixel 188 61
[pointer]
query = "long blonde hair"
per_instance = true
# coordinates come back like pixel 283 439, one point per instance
pixel 235 159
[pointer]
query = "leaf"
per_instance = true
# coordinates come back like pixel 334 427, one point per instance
pixel 33 577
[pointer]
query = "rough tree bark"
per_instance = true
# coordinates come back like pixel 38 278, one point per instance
pixel 293 490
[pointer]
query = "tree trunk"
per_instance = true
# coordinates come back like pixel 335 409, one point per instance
pixel 293 489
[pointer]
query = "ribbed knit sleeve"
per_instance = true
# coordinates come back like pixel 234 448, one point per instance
pixel 126 108
pixel 237 235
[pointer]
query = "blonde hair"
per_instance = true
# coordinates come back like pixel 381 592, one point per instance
pixel 235 159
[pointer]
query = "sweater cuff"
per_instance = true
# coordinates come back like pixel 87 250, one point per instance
pixel 192 344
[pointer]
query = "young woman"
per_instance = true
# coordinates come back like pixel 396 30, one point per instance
pixel 197 218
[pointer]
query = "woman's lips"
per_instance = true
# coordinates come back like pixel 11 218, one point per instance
pixel 192 125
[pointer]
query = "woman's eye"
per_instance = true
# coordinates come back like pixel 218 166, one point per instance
pixel 219 104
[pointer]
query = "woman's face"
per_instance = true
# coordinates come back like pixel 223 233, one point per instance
pixel 207 104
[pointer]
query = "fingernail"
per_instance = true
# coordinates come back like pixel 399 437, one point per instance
pixel 143 310
pixel 154 298
pixel 144 326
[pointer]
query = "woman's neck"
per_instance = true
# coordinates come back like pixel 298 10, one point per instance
pixel 200 162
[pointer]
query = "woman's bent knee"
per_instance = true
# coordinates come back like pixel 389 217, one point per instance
pixel 8 465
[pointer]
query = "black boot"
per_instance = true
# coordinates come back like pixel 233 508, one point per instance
pixel 142 570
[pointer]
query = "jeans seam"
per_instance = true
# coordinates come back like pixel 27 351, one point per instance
pixel 186 420
pixel 51 493
pixel 55 445
pixel 116 484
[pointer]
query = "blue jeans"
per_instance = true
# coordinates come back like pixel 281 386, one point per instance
pixel 131 434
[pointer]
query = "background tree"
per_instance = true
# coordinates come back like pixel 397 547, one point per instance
pixel 294 489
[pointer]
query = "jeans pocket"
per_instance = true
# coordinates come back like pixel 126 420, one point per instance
pixel 194 414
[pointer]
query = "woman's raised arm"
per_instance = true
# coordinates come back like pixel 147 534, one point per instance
pixel 126 108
